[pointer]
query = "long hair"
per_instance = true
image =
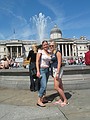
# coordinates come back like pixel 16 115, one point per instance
pixel 34 48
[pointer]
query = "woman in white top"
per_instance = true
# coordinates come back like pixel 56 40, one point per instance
pixel 42 65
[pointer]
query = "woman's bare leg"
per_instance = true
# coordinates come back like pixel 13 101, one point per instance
pixel 59 89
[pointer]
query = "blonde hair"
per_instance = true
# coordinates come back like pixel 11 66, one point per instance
pixel 34 48
pixel 55 45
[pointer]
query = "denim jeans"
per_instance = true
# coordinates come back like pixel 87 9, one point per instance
pixel 43 81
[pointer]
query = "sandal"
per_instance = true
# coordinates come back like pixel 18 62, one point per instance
pixel 41 105
pixel 64 104
pixel 58 102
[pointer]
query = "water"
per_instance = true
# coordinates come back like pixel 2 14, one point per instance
pixel 41 24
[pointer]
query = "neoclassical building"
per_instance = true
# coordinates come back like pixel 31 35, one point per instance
pixel 68 47
pixel 15 48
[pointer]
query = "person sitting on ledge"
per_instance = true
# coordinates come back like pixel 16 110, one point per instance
pixel 4 64
pixel 1 64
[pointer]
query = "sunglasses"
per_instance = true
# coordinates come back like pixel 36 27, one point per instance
pixel 51 45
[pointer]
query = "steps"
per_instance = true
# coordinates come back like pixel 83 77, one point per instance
pixel 74 78
pixel 69 81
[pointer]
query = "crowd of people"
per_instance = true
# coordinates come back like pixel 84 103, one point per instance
pixel 76 61
pixel 8 63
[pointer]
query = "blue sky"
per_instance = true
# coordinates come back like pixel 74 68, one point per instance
pixel 71 16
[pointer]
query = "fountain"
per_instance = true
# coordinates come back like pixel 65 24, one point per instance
pixel 40 23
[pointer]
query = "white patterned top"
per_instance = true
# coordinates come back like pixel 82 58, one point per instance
pixel 45 59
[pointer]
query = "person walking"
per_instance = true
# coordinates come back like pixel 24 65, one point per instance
pixel 32 68
pixel 57 73
pixel 42 64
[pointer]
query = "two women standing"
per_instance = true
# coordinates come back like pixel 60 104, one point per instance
pixel 49 54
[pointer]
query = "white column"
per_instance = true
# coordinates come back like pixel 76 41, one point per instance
pixel 6 51
pixel 62 50
pixel 66 49
pixel 69 50
pixel 21 50
pixel 72 50
pixel 58 47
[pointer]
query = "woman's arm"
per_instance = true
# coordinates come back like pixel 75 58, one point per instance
pixel 38 57
pixel 59 59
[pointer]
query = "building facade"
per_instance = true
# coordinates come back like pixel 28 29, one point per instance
pixel 68 47
pixel 15 48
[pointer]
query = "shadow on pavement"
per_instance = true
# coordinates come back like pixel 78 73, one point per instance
pixel 52 96
pixel 55 95
pixel 68 95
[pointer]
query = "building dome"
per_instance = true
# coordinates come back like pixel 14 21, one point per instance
pixel 55 32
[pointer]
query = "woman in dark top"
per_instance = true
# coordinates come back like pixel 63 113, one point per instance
pixel 56 61
pixel 32 67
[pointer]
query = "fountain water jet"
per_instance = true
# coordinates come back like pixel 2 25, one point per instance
pixel 41 23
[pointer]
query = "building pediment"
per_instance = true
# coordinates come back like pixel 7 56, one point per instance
pixel 14 42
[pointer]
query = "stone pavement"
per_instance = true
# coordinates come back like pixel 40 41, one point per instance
pixel 16 104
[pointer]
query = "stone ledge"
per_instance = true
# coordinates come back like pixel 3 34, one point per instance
pixel 68 70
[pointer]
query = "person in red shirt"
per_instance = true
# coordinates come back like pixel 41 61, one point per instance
pixel 87 57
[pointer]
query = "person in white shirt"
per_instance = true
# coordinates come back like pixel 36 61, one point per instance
pixel 42 64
